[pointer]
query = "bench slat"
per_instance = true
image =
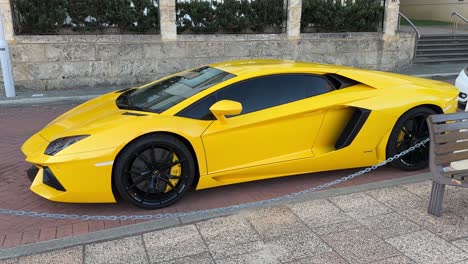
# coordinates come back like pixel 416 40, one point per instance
pixel 444 159
pixel 456 174
pixel 440 128
pixel 450 136
pixel 450 147
pixel 448 117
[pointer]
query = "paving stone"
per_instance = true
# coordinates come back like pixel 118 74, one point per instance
pixel 449 226
pixel 264 256
pixel 425 247
pixel 421 189
pixel 395 260
pixel 126 250
pixel 231 235
pixel 462 244
pixel 327 258
pixel 397 198
pixel 360 245
pixel 337 227
pixel 173 243
pixel 319 213
pixel 389 225
pixel 203 258
pixel 275 221
pixel 359 205
pixel 297 246
pixel 9 261
pixel 68 255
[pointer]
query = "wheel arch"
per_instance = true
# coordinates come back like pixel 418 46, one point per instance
pixel 382 147
pixel 185 141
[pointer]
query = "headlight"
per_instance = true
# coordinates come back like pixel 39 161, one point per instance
pixel 61 143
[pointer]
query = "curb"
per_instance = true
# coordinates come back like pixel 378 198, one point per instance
pixel 150 226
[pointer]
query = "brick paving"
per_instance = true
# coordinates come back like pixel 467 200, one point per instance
pixel 18 123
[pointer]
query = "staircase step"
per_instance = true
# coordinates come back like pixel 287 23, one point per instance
pixel 443 41
pixel 439 50
pixel 442 45
pixel 445 36
pixel 445 54
pixel 439 60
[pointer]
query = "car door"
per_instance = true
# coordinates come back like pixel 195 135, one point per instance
pixel 277 122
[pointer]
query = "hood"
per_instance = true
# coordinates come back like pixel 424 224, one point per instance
pixel 88 118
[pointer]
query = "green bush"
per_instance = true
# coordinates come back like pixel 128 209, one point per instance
pixel 230 16
pixel 41 15
pixel 49 16
pixel 333 16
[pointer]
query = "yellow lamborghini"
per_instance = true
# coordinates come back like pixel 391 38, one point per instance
pixel 228 123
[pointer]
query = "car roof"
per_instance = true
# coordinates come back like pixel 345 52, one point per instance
pixel 241 67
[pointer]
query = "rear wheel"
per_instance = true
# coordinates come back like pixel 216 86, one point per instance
pixel 409 130
pixel 154 171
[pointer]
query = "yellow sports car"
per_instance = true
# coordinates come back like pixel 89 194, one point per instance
pixel 228 123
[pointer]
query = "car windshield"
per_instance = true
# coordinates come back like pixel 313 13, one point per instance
pixel 166 93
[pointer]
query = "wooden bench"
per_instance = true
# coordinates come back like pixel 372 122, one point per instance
pixel 449 143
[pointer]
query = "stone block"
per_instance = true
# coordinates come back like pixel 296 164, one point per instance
pixel 76 69
pixel 184 241
pixel 327 258
pixel 70 83
pixel 227 236
pixel 389 225
pixel 22 72
pixel 425 247
pixel 421 189
pixel 242 48
pixel 203 258
pixel 319 213
pixel 45 71
pixel 359 205
pixel 125 250
pixel 36 85
pixel 360 246
pixel 68 255
pixel 294 246
pixel 278 48
pixel 119 52
pixel 395 260
pixel 282 219
pixel 72 52
pixel 315 46
pixel 45 39
pixel 172 49
pixel 264 256
pixel 204 49
pixel 397 198
pixel 27 53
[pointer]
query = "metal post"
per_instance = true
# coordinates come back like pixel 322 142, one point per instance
pixel 6 64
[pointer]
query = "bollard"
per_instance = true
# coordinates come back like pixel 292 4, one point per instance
pixel 6 63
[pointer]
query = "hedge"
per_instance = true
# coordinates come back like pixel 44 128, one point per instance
pixel 230 16
pixel 81 16
pixel 335 16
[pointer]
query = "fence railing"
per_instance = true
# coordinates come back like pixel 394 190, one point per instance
pixel 85 16
pixel 342 16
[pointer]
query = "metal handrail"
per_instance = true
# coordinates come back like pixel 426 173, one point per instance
pixel 455 21
pixel 418 34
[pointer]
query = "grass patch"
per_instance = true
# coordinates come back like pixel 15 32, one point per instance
pixel 425 23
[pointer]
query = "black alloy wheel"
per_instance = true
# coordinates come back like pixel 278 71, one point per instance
pixel 154 171
pixel 409 130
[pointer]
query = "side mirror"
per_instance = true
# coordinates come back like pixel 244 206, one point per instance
pixel 225 107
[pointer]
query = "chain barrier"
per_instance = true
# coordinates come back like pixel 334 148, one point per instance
pixel 214 210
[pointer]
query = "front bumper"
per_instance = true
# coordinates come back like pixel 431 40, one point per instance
pixel 74 178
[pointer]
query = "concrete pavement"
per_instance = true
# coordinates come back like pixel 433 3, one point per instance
pixel 359 224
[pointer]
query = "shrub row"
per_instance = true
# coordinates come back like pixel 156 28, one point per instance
pixel 230 16
pixel 338 16
pixel 61 16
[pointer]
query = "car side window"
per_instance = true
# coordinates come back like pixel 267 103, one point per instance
pixel 261 93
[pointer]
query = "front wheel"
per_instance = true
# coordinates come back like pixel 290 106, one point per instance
pixel 409 130
pixel 154 171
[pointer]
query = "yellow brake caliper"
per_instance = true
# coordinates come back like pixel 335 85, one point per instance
pixel 176 170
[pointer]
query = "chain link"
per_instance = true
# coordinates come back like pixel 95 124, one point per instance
pixel 214 210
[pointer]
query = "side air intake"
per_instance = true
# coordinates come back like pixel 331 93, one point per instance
pixel 353 127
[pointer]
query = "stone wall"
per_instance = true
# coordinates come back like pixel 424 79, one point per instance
pixel 72 62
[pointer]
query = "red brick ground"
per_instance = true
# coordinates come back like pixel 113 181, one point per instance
pixel 18 123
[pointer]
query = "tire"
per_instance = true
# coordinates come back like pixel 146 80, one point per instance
pixel 154 171
pixel 410 129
